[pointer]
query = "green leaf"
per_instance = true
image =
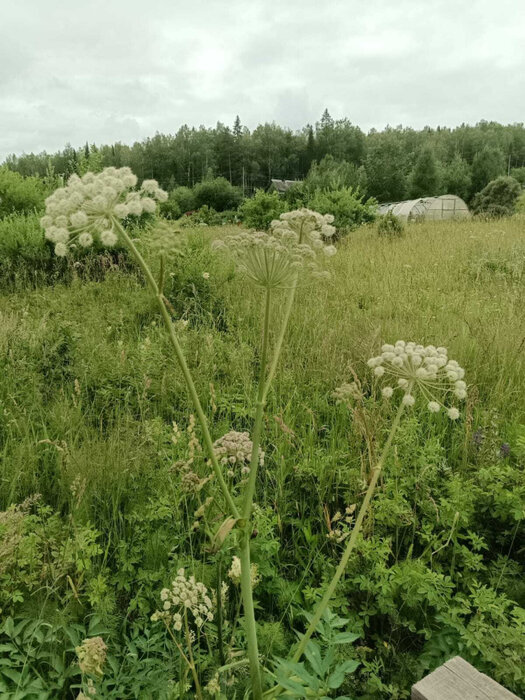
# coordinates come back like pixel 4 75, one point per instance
pixel 313 654
pixel 9 627
pixel 336 678
pixel 345 637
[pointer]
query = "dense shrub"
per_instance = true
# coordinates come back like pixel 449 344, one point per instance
pixel 498 198
pixel 217 194
pixel 261 209
pixel 195 287
pixel 520 204
pixel 170 209
pixel 20 194
pixel 180 201
pixel 519 175
pixel 347 206
pixel 390 226
pixel 209 217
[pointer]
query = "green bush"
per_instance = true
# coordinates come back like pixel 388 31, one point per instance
pixel 19 194
pixel 498 198
pixel 296 196
pixel 259 211
pixel 206 216
pixel 332 174
pixel 170 209
pixel 180 201
pixel 390 226
pixel 519 175
pixel 347 206
pixel 217 194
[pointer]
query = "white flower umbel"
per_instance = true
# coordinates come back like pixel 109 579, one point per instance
pixel 90 206
pixel 234 572
pixel 412 367
pixel 235 450
pixel 187 600
pixel 185 597
pixel 296 244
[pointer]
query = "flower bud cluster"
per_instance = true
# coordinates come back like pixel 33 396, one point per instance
pixel 186 596
pixel 427 369
pixel 90 205
pixel 234 572
pixel 91 656
pixel 235 450
pixel 294 244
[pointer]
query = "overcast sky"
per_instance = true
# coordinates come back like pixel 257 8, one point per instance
pixel 107 70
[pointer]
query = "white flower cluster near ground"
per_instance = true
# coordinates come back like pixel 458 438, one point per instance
pixel 234 572
pixel 235 449
pixel 186 595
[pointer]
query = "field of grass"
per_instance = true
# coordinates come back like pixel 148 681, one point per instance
pixel 89 395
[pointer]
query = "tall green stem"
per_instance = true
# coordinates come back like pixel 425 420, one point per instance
pixel 349 547
pixel 184 367
pixel 246 584
pixel 264 384
pixel 259 411
pixel 280 339
pixel 249 616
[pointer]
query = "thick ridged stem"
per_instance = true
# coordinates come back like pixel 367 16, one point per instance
pixel 249 617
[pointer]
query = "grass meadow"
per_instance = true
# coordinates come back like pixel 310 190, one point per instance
pixel 90 393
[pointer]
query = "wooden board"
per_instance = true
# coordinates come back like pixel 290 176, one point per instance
pixel 458 680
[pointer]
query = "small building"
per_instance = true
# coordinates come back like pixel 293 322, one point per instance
pixel 282 186
pixel 446 206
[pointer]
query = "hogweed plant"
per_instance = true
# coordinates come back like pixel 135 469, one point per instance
pixel 415 369
pixel 290 255
pixel 95 206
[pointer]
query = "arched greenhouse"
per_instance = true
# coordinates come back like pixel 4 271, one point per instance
pixel 447 206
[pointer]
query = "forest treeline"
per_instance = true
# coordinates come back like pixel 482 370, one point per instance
pixel 390 165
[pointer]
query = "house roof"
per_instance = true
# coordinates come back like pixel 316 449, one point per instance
pixel 284 185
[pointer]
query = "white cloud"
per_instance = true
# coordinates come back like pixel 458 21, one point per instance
pixel 122 69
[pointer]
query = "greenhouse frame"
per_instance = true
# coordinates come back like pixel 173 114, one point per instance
pixel 446 206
